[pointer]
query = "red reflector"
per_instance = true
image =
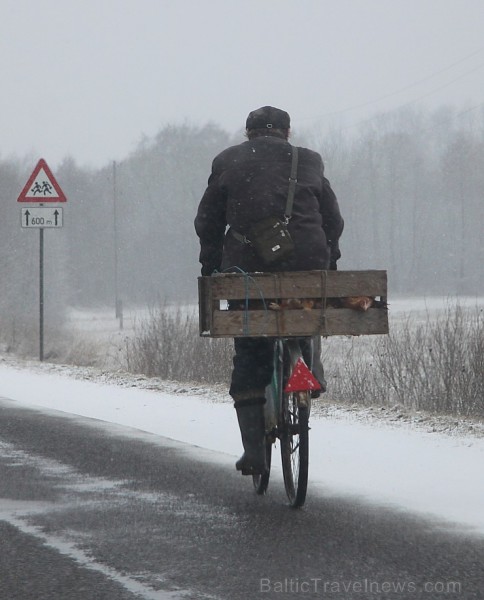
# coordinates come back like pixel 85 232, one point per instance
pixel 301 379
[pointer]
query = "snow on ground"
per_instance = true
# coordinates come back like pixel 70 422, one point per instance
pixel 383 461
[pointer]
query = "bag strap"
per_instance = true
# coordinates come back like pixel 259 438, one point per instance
pixel 292 183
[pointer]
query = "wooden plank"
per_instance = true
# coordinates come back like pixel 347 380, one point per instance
pixel 298 284
pixel 265 323
pixel 204 305
pixel 296 323
pixel 352 322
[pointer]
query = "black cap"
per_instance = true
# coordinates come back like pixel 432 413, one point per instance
pixel 268 117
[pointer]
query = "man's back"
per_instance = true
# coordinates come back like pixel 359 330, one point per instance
pixel 249 182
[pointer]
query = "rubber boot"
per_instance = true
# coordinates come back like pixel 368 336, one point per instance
pixel 250 414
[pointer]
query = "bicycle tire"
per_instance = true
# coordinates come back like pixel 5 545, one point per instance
pixel 261 482
pixel 295 446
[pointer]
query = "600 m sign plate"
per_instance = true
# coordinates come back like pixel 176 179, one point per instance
pixel 41 217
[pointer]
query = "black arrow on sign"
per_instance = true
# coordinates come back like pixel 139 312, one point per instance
pixel 27 215
pixel 56 214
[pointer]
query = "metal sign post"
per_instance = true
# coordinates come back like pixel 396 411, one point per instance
pixel 41 188
pixel 41 295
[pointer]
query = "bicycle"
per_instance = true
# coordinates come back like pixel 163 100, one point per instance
pixel 240 305
pixel 287 420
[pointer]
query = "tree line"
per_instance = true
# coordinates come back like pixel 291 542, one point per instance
pixel 410 186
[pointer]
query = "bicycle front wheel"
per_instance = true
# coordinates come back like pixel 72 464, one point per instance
pixel 295 445
pixel 261 482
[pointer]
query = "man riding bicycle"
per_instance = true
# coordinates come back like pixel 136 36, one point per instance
pixel 248 184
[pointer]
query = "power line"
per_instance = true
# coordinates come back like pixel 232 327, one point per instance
pixel 404 89
pixel 377 116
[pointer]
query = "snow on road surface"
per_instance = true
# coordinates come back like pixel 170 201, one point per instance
pixel 403 467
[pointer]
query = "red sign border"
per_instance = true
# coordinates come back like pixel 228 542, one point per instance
pixel 41 199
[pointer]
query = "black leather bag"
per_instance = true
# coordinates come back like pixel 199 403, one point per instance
pixel 271 240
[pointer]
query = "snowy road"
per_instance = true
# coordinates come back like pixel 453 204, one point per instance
pixel 383 462
pixel 126 512
pixel 130 515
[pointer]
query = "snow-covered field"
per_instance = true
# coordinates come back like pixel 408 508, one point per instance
pixel 101 330
pixel 429 466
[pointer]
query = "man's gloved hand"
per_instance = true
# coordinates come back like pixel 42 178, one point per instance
pixel 207 270
pixel 335 255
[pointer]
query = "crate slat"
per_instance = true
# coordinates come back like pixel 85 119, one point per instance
pixel 299 284
pixel 297 323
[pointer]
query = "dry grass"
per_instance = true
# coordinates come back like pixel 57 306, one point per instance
pixel 439 366
pixel 20 337
pixel 436 366
pixel 167 345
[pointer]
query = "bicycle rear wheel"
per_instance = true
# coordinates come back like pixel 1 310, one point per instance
pixel 295 445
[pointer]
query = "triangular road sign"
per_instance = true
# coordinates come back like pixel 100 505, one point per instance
pixel 301 379
pixel 42 186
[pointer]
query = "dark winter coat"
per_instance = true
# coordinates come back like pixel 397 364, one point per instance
pixel 250 182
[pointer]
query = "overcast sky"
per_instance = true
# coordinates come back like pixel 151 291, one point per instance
pixel 89 78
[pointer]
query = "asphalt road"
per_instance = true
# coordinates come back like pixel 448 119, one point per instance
pixel 98 512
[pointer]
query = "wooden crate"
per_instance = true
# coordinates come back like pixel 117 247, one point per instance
pixel 255 291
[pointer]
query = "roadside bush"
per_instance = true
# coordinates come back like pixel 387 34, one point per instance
pixel 352 372
pixel 167 345
pixel 435 366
